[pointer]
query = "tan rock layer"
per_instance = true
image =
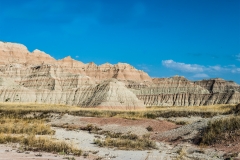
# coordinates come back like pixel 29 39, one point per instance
pixel 108 94
pixel 187 99
pixel 12 54
pixel 218 85
pixel 37 77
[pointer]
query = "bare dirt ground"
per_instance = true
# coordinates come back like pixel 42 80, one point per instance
pixel 173 141
pixel 126 125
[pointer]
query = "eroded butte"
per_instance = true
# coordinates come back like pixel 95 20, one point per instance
pixel 38 77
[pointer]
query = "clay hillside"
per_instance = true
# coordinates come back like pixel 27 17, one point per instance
pixel 38 77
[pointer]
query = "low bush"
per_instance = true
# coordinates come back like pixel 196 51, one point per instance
pixel 126 141
pixel 221 130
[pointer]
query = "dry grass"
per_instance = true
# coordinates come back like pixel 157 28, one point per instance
pixel 89 127
pixel 181 154
pixel 154 112
pixel 16 109
pixel 26 131
pixel 221 131
pixel 40 144
pixel 219 108
pixel 126 141
pixel 24 126
pixel 36 107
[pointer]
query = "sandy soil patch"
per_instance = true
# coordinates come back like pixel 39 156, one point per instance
pixel 7 152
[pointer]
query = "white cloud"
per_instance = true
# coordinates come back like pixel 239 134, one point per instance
pixel 229 68
pixel 235 70
pixel 191 68
pixel 199 70
pixel 77 56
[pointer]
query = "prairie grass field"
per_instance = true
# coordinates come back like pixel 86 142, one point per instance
pixel 16 110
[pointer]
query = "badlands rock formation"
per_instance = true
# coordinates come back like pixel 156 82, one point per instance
pixel 178 91
pixel 218 85
pixel 38 77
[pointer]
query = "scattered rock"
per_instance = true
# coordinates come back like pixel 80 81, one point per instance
pixel 38 155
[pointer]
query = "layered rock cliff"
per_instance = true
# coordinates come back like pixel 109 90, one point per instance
pixel 38 77
pixel 48 84
pixel 218 85
pixel 178 91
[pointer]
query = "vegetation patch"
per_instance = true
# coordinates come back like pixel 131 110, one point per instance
pixel 44 111
pixel 30 133
pixel 219 131
pixel 126 141
pixel 89 127
pixel 24 126
pixel 40 144
pixel 179 122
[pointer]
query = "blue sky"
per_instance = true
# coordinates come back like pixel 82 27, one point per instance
pixel 193 38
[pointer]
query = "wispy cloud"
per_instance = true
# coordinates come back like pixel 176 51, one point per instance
pixel 199 70
pixel 238 56
pixel 183 67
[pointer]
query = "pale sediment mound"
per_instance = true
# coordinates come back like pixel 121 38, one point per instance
pixel 113 94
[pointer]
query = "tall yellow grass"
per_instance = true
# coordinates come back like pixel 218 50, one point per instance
pixel 34 143
pixel 149 112
pixel 32 133
pixel 64 108
pixel 24 126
